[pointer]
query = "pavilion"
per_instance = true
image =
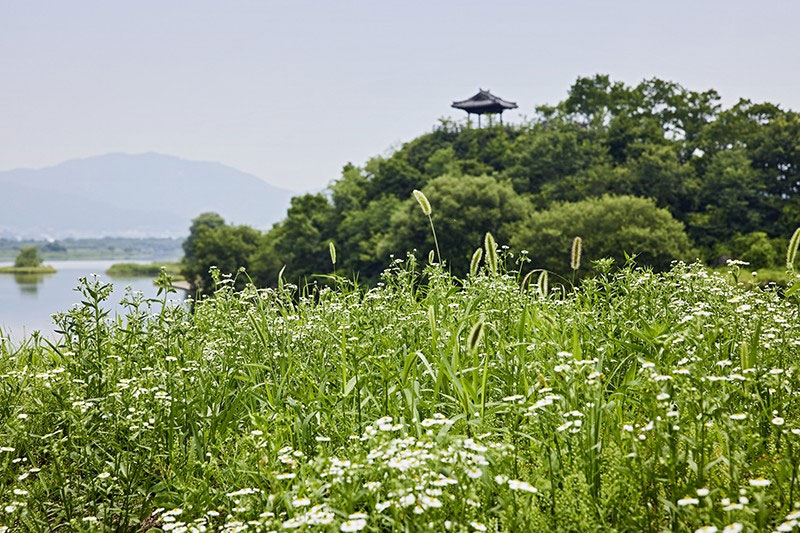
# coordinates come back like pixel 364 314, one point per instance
pixel 484 102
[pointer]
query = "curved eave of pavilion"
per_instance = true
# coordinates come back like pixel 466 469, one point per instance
pixel 480 108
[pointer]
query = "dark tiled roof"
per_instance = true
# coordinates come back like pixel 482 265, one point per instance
pixel 484 102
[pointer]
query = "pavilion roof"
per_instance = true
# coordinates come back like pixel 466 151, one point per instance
pixel 484 102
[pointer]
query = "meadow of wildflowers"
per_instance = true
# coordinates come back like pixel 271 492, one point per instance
pixel 636 401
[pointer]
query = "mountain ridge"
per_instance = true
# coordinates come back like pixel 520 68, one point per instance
pixel 120 194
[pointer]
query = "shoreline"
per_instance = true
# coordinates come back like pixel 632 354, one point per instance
pixel 46 269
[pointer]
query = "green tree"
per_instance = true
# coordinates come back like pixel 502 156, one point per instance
pixel 212 244
pixel 770 138
pixel 550 153
pixel 359 236
pixel 396 177
pixel 28 256
pixel 300 241
pixel 729 201
pixel 201 222
pixel 756 248
pixel 610 226
pixel 657 173
pixel 464 209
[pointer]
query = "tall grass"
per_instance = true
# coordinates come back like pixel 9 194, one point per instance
pixel 635 402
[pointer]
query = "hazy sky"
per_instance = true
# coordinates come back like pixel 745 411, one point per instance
pixel 291 91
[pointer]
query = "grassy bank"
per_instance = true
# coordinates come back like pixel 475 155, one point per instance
pixel 44 269
pixel 639 402
pixel 125 270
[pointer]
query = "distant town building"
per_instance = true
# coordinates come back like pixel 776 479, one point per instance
pixel 484 102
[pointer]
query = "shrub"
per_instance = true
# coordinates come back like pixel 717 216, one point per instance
pixel 28 257
pixel 756 248
pixel 610 226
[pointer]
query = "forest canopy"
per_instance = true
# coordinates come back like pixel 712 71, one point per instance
pixel 718 182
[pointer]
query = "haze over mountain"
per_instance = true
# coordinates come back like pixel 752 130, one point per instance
pixel 134 195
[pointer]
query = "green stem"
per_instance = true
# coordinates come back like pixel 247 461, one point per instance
pixel 435 240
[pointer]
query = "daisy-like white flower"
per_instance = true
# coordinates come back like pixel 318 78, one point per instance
pixel 353 525
pixel 515 484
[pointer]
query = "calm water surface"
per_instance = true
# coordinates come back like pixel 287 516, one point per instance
pixel 27 301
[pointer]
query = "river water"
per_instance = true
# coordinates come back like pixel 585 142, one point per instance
pixel 28 301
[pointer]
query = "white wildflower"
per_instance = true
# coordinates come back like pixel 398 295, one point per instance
pixel 515 484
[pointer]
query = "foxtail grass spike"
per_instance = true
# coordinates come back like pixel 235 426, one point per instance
pixel 475 263
pixel 575 256
pixel 542 284
pixel 791 252
pixel 475 336
pixel 423 202
pixel 332 249
pixel 525 281
pixel 491 252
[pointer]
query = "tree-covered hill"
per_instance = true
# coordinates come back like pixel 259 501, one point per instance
pixel 721 183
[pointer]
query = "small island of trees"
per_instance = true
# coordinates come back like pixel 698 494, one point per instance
pixel 28 261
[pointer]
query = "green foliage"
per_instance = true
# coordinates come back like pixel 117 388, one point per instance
pixel 639 401
pixel 28 257
pixel 300 242
pixel 722 172
pixel 463 210
pixel 553 152
pixel 610 226
pixel 755 248
pixel 212 244
pixel 731 197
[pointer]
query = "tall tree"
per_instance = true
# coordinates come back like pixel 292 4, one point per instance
pixel 464 209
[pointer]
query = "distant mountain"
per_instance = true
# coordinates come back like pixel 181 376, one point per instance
pixel 133 195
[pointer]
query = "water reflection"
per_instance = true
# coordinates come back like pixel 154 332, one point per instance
pixel 29 283
pixel 27 302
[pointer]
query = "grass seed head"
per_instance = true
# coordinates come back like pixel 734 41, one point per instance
pixel 332 250
pixel 542 284
pixel 423 202
pixel 475 263
pixel 491 252
pixel 475 336
pixel 526 281
pixel 575 256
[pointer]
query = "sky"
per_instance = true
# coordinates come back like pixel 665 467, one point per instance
pixel 291 91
